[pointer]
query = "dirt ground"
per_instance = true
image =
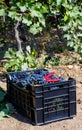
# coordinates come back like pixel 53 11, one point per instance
pixel 18 122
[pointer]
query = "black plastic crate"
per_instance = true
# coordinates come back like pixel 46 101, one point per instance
pixel 44 103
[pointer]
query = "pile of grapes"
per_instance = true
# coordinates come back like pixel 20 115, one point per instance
pixel 33 77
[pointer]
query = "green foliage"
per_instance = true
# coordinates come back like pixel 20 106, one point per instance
pixel 70 22
pixel 53 61
pixel 73 26
pixel 22 61
pixel 5 108
pixel 34 14
pixel 19 60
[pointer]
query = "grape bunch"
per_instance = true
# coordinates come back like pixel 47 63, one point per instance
pixel 22 83
pixel 42 72
pixel 13 78
pixel 33 77
pixel 23 78
pixel 16 76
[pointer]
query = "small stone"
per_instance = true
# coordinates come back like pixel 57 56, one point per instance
pixel 79 101
pixel 63 126
pixel 70 66
pixel 81 82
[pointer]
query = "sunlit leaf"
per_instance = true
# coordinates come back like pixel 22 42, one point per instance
pixel 24 66
pixel 59 2
pixel 65 18
pixel 2 12
pixel 23 8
